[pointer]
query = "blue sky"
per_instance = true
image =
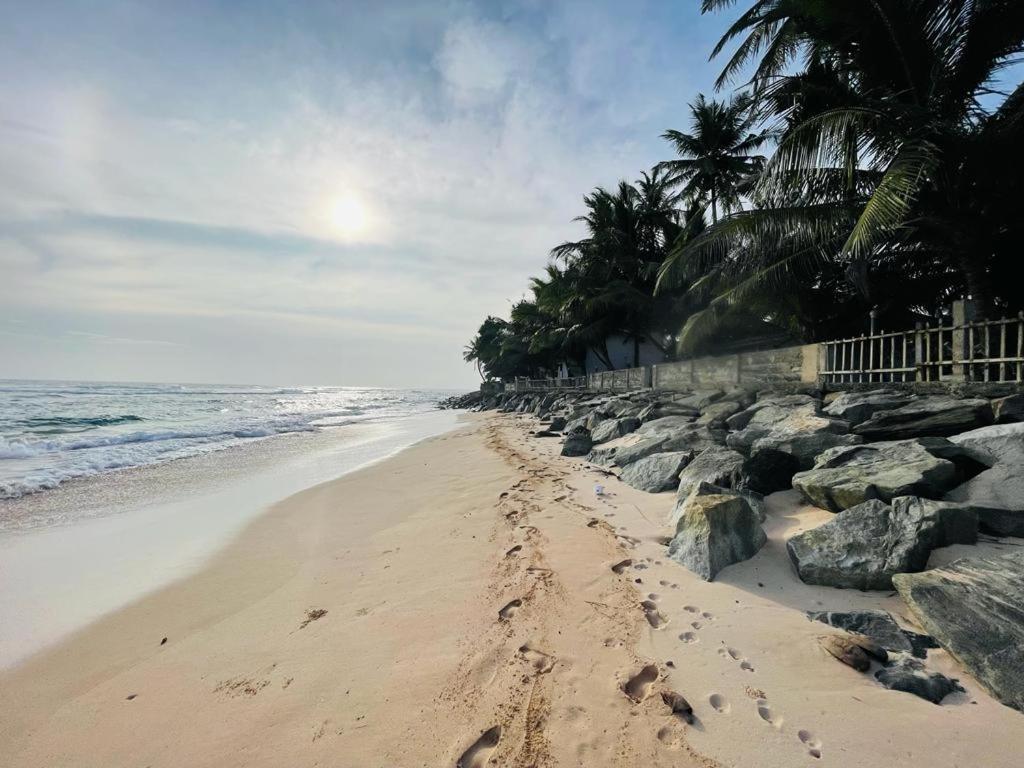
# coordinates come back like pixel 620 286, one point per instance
pixel 312 192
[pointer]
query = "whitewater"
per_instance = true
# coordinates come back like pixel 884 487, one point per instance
pixel 53 432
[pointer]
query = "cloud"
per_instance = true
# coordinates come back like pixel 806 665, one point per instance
pixel 178 173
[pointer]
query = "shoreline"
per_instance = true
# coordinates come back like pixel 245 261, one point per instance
pixel 73 554
pixel 468 586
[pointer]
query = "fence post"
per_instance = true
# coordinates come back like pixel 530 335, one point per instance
pixel 919 342
pixel 964 312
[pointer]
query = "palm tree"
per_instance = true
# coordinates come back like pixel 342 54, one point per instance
pixel 893 168
pixel 718 155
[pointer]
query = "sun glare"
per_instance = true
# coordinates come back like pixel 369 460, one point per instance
pixel 348 216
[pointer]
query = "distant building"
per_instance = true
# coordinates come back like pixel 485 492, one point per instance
pixel 620 350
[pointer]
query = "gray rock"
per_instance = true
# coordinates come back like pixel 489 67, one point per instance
pixel 1008 409
pixel 778 407
pixel 866 545
pixel 974 608
pixel 666 424
pixel 715 530
pixel 855 407
pixel 938 416
pixel 660 410
pixel 557 423
pixel 795 429
pixel 578 443
pixel 846 476
pixel 717 466
pixel 716 413
pixel 997 494
pixel 880 626
pixel 701 399
pixel 657 472
pixel 613 428
pixel 908 674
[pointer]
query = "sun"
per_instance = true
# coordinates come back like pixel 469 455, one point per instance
pixel 348 216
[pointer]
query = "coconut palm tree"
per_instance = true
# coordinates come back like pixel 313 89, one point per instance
pixel 895 159
pixel 718 154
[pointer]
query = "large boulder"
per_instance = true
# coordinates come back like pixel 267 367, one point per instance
pixel 997 494
pixel 715 530
pixel 796 428
pixel 776 407
pixel 716 466
pixel 666 424
pixel 846 476
pixel 613 428
pixel 716 413
pixel 557 423
pixel 1008 409
pixel 855 407
pixel 577 443
pixel 865 546
pixel 657 472
pixel 660 410
pixel 938 416
pixel 974 608
pixel 701 399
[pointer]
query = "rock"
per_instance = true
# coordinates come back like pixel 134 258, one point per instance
pixel 855 407
pixel 717 466
pixel 578 443
pixel 701 399
pixel 665 425
pixel 716 413
pixel 909 675
pixel 974 608
pixel 879 626
pixel 1008 409
pixel 794 429
pixel 846 476
pixel 639 448
pixel 769 471
pixel 997 494
pixel 557 423
pixel 715 530
pixel 660 410
pixel 866 545
pixel 779 406
pixel 938 416
pixel 613 428
pixel 678 705
pixel 847 651
pixel 657 472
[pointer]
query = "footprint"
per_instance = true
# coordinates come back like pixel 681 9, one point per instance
pixel 746 666
pixel 638 687
pixel 691 608
pixel 689 637
pixel 542 662
pixel 663 583
pixel 516 548
pixel 479 753
pixel 654 597
pixel 622 565
pixel 509 610
pixel 719 703
pixel 764 709
pixel 708 616
pixel 696 624
pixel 654 617
pixel 813 745
pixel 736 655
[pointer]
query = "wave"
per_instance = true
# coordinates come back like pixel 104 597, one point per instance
pixel 79 421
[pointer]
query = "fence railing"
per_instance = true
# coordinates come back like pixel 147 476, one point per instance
pixel 974 351
pixel 965 350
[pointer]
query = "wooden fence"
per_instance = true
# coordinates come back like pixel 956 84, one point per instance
pixel 971 351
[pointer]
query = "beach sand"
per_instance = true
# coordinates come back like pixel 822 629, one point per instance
pixel 458 602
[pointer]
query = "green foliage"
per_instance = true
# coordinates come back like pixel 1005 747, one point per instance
pixel 895 185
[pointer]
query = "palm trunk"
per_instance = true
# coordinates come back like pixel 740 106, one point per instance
pixel 636 351
pixel 978 283
pixel 714 205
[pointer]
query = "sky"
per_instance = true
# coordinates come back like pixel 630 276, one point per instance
pixel 310 192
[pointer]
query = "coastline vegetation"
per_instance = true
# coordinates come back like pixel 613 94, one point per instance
pixel 870 162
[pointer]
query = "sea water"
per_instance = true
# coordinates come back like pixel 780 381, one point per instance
pixel 110 491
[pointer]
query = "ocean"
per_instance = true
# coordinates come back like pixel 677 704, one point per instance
pixel 110 491
pixel 53 432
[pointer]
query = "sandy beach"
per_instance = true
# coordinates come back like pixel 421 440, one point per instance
pixel 457 604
